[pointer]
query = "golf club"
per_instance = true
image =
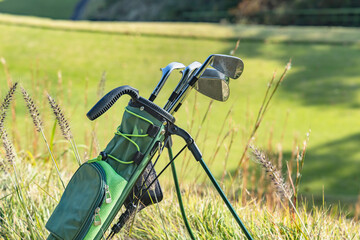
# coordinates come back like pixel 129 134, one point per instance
pixel 186 74
pixel 228 65
pixel 214 85
pixel 166 71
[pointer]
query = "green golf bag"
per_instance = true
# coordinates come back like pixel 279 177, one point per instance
pixel 117 177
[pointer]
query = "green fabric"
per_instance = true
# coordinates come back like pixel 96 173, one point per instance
pixel 77 203
pixel 51 237
pixel 124 150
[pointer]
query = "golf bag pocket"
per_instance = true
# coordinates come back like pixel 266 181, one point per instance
pixel 87 200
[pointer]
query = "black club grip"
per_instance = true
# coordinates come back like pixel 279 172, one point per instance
pixel 109 99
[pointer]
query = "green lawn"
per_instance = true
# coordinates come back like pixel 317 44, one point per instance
pixel 320 92
pixel 50 8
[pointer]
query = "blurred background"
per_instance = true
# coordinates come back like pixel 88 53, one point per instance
pixel 269 12
pixel 71 49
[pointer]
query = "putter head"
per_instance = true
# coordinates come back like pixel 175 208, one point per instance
pixel 229 65
pixel 213 84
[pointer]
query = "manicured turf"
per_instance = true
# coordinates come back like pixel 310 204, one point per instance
pixel 320 92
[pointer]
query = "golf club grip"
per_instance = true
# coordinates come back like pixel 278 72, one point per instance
pixel 106 102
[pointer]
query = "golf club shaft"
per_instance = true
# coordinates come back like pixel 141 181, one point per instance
pixel 166 73
pixel 189 85
pixel 187 73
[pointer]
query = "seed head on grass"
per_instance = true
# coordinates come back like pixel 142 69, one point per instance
pixel 62 121
pixel 35 115
pixel 5 105
pixel 34 112
pixel 7 145
pixel 64 126
pixel 9 149
pixel 9 96
pixel 2 120
pixel 282 189
pixel 10 154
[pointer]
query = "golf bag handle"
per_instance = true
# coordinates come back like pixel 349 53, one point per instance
pixel 109 99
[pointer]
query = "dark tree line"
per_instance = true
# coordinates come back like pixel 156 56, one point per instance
pixel 275 12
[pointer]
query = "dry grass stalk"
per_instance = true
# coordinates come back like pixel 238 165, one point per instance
pixel 10 154
pixel 64 126
pixel 8 98
pixel 218 142
pixel 245 175
pixel 5 105
pixel 34 112
pixel 35 115
pixel 263 109
pixel 95 144
pixel 9 149
pixel 228 150
pixel 10 85
pixel 86 92
pixel 282 189
pixel 60 84
pixel 62 121
pixel 6 70
pixel 233 51
pixel 2 121
pixel 101 86
pixel 3 111
pixel 69 92
pixel 357 209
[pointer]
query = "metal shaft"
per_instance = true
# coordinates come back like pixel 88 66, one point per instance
pixel 187 73
pixel 183 94
pixel 166 73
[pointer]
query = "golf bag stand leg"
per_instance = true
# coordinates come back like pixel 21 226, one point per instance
pixel 175 130
pixel 176 183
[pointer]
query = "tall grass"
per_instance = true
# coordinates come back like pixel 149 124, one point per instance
pixel 30 190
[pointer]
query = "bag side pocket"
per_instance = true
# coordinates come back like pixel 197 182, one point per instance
pixel 79 203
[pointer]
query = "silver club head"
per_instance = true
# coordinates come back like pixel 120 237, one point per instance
pixel 213 84
pixel 166 71
pixel 231 66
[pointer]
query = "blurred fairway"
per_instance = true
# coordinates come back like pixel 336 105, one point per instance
pixel 321 91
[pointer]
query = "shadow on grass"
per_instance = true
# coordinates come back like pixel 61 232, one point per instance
pixel 321 74
pixel 334 166
pixel 331 168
